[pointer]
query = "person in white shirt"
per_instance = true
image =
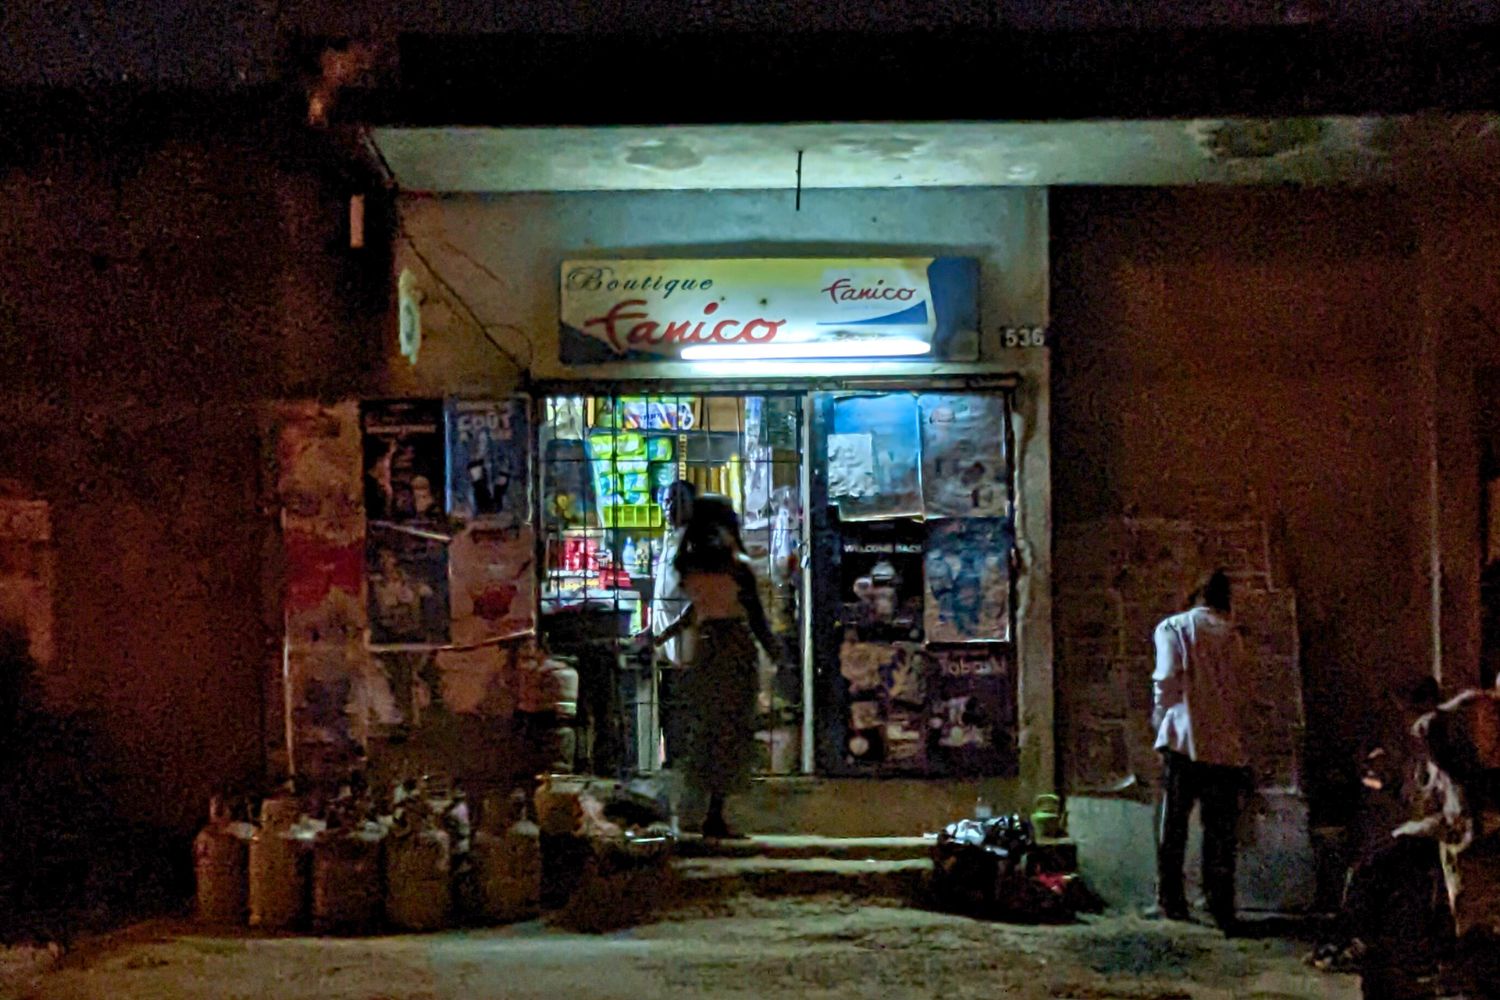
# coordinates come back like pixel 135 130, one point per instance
pixel 1199 714
pixel 667 604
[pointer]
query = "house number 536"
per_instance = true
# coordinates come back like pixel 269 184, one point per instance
pixel 1023 336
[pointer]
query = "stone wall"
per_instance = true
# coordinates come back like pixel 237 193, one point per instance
pixel 1121 577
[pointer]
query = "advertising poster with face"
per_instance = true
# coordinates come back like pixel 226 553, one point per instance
pixel 408 587
pixel 492 583
pixel 881 578
pixel 964 469
pixel 488 442
pixel 968 580
pixel 971 714
pixel 404 466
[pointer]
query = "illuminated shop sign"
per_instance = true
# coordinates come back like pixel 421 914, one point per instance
pixel 911 308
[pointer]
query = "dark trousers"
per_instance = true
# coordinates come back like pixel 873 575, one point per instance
pixel 1218 790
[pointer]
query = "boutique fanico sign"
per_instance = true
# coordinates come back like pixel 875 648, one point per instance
pixel 913 308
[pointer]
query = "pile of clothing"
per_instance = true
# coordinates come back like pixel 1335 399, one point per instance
pixel 991 867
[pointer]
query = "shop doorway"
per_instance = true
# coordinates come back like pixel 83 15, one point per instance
pixel 609 462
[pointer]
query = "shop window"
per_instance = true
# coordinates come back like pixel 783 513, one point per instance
pixel 609 465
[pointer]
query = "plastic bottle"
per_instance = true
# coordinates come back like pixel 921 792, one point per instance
pixel 982 808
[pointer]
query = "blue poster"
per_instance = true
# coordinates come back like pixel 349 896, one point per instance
pixel 968 580
pixel 488 441
pixel 874 457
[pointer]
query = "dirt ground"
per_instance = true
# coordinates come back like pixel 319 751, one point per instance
pixel 751 948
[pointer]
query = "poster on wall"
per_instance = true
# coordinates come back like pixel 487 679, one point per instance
pixel 488 442
pixel 886 702
pixel 318 469
pixel 971 716
pixel 874 459
pixel 968 580
pixel 403 460
pixel 964 470
pixel 408 587
pixel 881 578
pixel 492 582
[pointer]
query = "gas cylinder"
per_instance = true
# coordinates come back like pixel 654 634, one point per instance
pixel 221 862
pixel 417 865
pixel 508 864
pixel 549 687
pixel 347 894
pixel 279 863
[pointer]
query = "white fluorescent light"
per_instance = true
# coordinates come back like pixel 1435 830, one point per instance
pixel 801 369
pixel 891 347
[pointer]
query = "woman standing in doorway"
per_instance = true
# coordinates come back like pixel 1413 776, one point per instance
pixel 722 683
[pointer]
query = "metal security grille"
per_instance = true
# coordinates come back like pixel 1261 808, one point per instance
pixel 608 463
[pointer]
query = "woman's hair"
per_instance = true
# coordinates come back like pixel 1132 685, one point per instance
pixel 711 540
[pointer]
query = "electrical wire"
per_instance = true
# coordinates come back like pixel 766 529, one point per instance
pixel 403 234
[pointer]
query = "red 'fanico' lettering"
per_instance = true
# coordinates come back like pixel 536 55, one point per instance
pixel 616 314
pixel 843 290
pixel 650 333
pixel 772 328
pixel 676 333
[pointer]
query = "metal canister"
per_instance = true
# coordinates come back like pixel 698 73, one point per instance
pixel 348 893
pixel 221 864
pixel 418 890
pixel 279 862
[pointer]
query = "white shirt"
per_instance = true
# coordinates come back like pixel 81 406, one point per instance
pixel 667 597
pixel 1199 693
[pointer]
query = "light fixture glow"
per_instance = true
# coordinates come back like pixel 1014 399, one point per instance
pixel 891 347
pixel 798 369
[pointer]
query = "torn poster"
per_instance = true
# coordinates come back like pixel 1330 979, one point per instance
pixel 492 582
pixel 341 696
pixel 968 580
pixel 408 588
pixel 403 459
pixel 964 470
pixel 478 681
pixel 891 671
pixel 874 457
pixel 318 469
pixel 324 581
pixel 881 586
pixel 971 717
pixel 488 442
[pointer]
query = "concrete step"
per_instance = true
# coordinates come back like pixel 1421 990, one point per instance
pixel 770 877
pixel 809 848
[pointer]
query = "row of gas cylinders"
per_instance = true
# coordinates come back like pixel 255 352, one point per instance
pixel 422 871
